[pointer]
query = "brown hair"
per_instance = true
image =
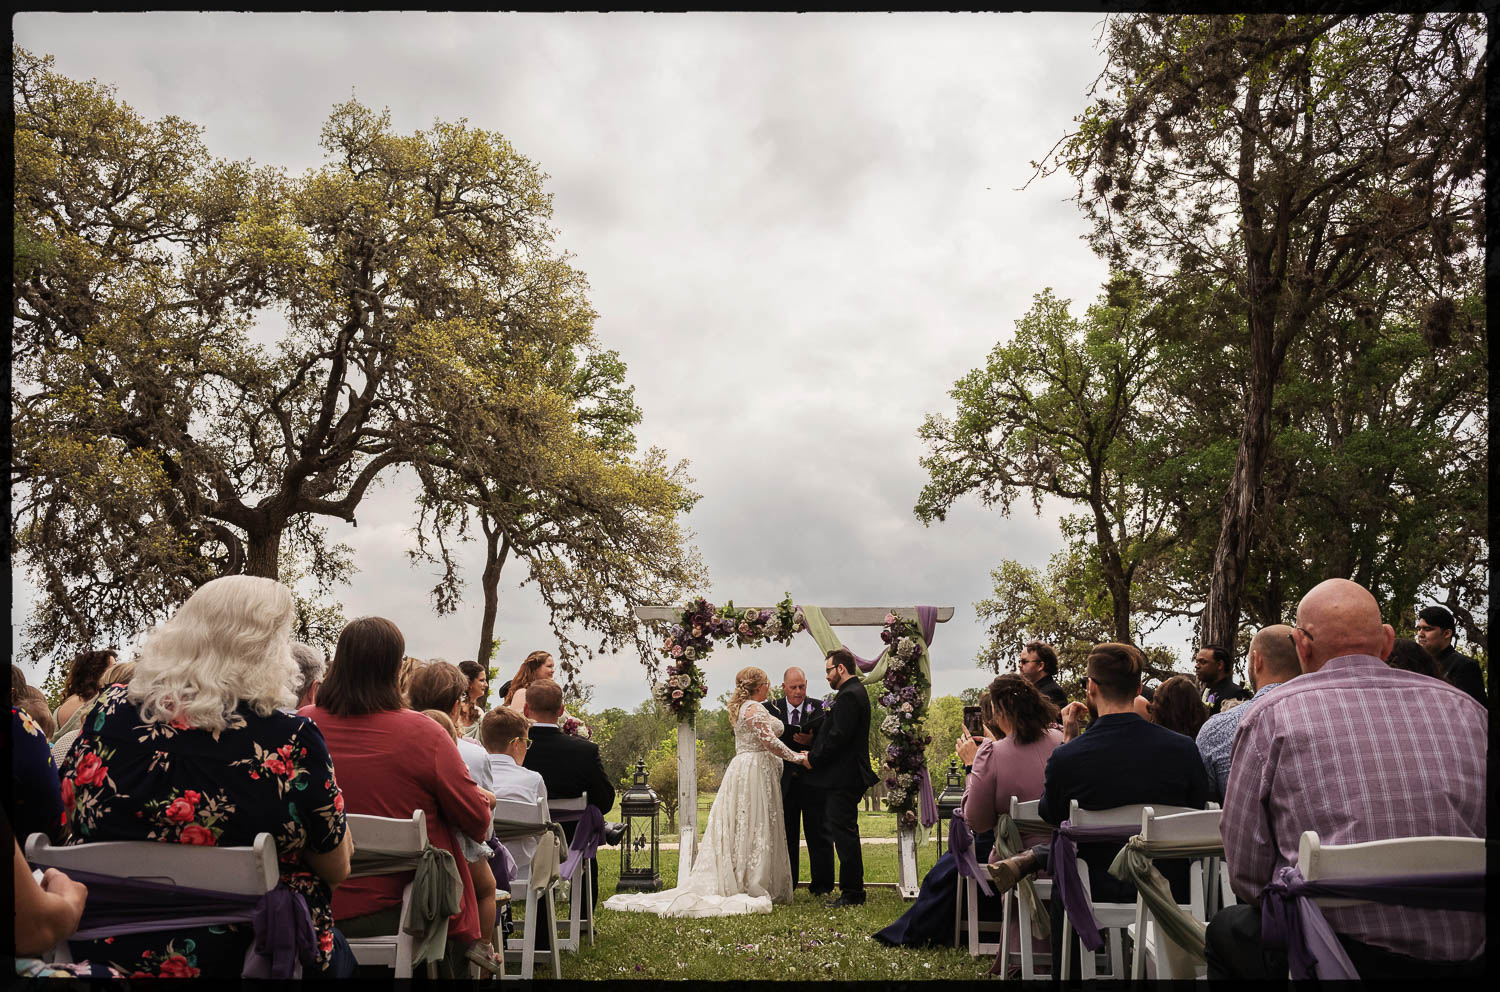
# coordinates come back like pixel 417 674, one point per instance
pixel 437 686
pixel 843 658
pixel 409 666
pixel 34 702
pixel 1044 653
pixel 1176 706
pixel 544 696
pixel 362 677
pixel 499 727
pixel 84 673
pixel 442 720
pixel 525 676
pixel 1116 669
pixel 1028 712
pixel 17 682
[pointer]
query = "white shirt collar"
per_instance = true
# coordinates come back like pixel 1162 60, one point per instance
pixel 552 725
pixel 503 757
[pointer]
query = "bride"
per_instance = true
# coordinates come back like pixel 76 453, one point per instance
pixel 742 864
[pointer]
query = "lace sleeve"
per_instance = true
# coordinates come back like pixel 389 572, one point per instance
pixel 760 724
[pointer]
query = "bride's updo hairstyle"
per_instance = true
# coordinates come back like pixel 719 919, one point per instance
pixel 745 684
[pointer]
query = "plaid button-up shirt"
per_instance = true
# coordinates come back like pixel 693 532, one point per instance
pixel 1359 751
pixel 1216 740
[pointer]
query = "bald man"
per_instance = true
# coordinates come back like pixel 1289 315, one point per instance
pixel 801 804
pixel 1273 661
pixel 1358 752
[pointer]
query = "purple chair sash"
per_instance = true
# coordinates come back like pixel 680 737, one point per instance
pixel 961 843
pixel 283 927
pixel 1066 881
pixel 586 837
pixel 502 864
pixel 1289 917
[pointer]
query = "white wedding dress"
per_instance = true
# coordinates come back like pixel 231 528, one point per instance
pixel 742 864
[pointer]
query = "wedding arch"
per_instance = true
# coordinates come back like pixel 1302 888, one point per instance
pixel 902 671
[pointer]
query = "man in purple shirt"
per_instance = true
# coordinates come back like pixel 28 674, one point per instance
pixel 1358 752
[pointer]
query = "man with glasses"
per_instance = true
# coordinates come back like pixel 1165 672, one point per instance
pixel 1038 665
pixel 504 734
pixel 1435 634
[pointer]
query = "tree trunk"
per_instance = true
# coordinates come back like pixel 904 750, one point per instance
pixel 263 556
pixel 496 550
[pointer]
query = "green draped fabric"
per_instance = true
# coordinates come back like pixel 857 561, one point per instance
pixel 436 893
pixel 1136 864
pixel 828 641
pixel 1008 845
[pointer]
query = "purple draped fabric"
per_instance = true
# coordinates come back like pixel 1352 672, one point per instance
pixel 1065 878
pixel 1289 917
pixel 283 927
pixel 926 623
pixel 502 864
pixel 586 837
pixel 961 843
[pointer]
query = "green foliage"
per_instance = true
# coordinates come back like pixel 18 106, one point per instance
pixel 944 724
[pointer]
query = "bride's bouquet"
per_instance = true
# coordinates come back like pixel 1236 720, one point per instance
pixel 575 727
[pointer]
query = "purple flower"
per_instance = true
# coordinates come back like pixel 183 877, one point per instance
pixel 885 635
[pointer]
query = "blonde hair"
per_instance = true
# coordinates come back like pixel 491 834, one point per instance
pixel 442 720
pixel 409 666
pixel 231 642
pixel 746 681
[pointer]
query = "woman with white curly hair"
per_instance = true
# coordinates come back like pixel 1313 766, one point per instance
pixel 196 750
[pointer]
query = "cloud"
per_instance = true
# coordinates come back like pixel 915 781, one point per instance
pixel 799 230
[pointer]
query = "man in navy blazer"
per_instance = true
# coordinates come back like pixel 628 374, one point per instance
pixel 840 770
pixel 800 803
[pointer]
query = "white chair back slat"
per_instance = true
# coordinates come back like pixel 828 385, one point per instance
pixel 409 836
pixel 515 812
pixel 384 833
pixel 1397 856
pixel 251 870
pixel 1119 816
pixel 1025 811
pixel 1198 827
pixel 577 802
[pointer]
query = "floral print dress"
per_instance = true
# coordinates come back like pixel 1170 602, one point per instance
pixel 129 779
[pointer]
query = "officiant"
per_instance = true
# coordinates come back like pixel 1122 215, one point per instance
pixel 801 803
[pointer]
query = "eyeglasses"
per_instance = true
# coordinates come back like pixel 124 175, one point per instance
pixel 1305 633
pixel 518 740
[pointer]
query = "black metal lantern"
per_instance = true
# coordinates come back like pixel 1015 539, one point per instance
pixel 951 799
pixel 640 847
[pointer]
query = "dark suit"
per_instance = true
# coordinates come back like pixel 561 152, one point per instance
pixel 1122 760
pixel 1048 687
pixel 1463 672
pixel 840 758
pixel 1221 692
pixel 803 804
pixel 570 766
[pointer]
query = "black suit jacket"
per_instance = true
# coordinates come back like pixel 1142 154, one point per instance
pixel 1048 687
pixel 1463 672
pixel 569 766
pixel 777 708
pixel 840 752
pixel 1119 761
pixel 1222 692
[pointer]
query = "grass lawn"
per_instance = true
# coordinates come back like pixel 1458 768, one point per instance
pixel 803 941
pixel 879 823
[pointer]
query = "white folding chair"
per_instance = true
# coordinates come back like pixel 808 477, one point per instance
pixel 249 870
pixel 966 918
pixel 510 816
pixel 1113 917
pixel 1398 856
pixel 1197 827
pixel 1013 901
pixel 383 833
pixel 582 878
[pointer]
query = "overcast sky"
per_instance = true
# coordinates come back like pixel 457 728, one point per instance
pixel 799 231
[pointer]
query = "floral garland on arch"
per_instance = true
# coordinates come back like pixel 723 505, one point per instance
pixel 691 640
pixel 904 697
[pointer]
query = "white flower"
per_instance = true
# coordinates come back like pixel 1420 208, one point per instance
pixel 752 614
pixel 890 725
pixel 691 654
pixel 906 707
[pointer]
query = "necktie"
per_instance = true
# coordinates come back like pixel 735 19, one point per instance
pixel 796 710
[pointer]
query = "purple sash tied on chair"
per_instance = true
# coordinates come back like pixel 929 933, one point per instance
pixel 1067 883
pixel 283 927
pixel 502 864
pixel 586 837
pixel 1289 918
pixel 961 843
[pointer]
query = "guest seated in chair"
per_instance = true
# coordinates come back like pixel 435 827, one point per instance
pixel 38 805
pixel 195 750
pixel 47 911
pixel 570 766
pixel 391 761
pixel 1357 751
pixel 1020 734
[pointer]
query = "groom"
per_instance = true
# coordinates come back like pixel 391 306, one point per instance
pixel 840 766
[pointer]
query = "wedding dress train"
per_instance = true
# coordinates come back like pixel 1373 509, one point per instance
pixel 742 864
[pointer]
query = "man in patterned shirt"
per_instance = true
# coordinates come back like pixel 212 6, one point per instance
pixel 1273 660
pixel 1358 752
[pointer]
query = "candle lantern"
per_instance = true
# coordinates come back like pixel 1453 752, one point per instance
pixel 951 798
pixel 640 847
